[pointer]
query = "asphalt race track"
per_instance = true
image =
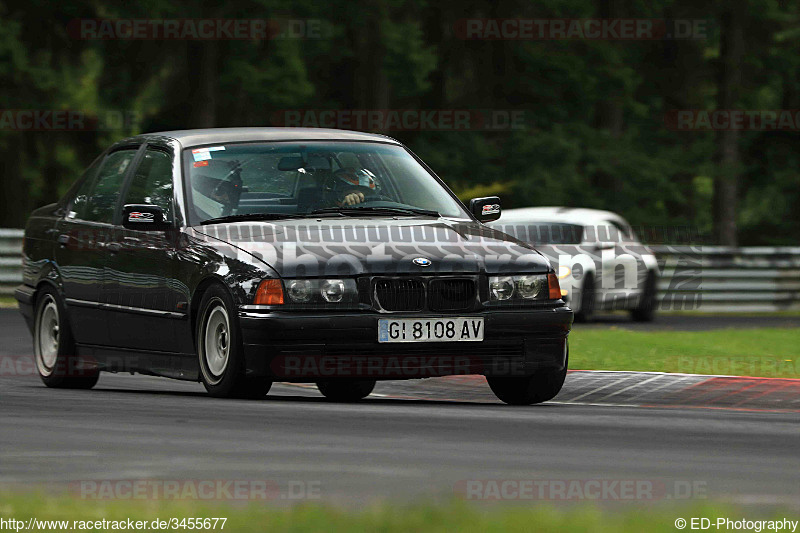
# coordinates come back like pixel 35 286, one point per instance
pixel 411 440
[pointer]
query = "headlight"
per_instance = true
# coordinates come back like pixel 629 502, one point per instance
pixel 321 291
pixel 530 287
pixel 521 287
pixel 299 290
pixel 501 288
pixel 332 290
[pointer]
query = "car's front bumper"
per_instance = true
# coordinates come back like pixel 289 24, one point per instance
pixel 304 347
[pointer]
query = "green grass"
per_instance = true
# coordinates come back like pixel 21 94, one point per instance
pixel 8 302
pixel 791 313
pixel 454 516
pixel 766 352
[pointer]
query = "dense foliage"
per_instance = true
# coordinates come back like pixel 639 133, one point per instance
pixel 593 131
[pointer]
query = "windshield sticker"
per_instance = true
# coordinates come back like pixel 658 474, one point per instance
pixel 202 154
pixel 208 149
pixel 200 164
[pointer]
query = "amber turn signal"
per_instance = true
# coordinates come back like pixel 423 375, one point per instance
pixel 552 284
pixel 269 292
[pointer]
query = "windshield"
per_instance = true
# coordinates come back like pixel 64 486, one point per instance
pixel 296 179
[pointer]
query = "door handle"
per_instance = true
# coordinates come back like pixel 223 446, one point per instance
pixel 113 247
pixel 63 239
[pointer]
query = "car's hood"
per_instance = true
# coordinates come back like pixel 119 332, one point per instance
pixel 354 246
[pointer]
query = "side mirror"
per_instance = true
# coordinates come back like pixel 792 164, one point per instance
pixel 485 209
pixel 144 218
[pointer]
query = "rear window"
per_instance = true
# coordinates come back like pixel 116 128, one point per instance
pixel 544 232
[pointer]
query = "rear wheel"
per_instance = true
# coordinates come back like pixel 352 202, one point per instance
pixel 646 310
pixel 540 387
pixel 346 390
pixel 54 348
pixel 586 311
pixel 220 350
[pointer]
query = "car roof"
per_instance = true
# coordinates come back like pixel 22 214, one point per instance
pixel 201 137
pixel 566 215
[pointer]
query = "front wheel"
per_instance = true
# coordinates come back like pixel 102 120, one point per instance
pixel 54 348
pixel 220 350
pixel 346 390
pixel 540 387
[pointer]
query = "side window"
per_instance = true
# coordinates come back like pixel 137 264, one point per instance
pixel 623 230
pixel 105 190
pixel 152 182
pixel 81 198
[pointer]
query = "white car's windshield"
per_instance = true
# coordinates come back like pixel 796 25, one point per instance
pixel 291 179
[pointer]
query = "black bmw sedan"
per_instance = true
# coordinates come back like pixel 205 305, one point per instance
pixel 240 257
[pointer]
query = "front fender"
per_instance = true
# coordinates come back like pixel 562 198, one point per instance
pixel 209 259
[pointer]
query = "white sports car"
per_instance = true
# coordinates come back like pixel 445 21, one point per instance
pixel 600 261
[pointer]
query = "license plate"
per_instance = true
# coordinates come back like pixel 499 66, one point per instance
pixel 430 329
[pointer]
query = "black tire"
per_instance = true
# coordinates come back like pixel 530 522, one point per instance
pixel 540 387
pixel 54 349
pixel 346 390
pixel 588 301
pixel 222 365
pixel 646 310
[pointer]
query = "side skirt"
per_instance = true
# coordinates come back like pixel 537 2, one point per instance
pixel 169 365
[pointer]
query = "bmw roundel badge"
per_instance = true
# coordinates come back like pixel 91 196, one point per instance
pixel 422 261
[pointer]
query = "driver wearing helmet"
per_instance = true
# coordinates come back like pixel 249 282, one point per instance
pixel 353 186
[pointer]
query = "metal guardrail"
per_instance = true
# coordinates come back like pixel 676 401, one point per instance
pixel 10 260
pixel 693 278
pixel 722 279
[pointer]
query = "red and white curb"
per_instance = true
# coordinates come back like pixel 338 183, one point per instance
pixel 621 389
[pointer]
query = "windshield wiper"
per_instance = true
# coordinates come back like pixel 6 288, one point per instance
pixel 356 211
pixel 250 216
